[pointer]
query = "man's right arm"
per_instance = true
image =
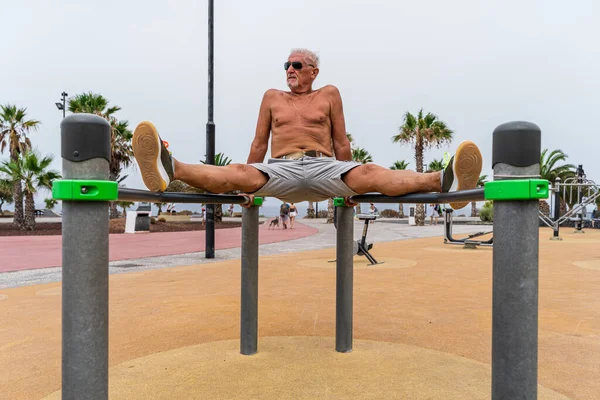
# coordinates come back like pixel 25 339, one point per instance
pixel 259 146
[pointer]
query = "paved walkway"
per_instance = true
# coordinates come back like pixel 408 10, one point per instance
pixel 32 252
pixel 314 234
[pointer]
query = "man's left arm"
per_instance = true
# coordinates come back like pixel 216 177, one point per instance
pixel 341 145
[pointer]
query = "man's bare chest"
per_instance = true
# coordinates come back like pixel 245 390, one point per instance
pixel 314 111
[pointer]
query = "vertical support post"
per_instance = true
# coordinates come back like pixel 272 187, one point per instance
pixel 556 209
pixel 579 223
pixel 249 285
pixel 209 251
pixel 344 279
pixel 516 155
pixel 85 143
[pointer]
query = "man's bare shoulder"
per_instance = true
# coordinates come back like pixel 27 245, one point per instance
pixel 331 91
pixel 271 93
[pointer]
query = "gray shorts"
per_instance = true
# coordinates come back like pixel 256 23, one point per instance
pixel 306 179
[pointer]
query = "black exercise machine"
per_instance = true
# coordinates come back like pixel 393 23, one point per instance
pixel 467 242
pixel 361 247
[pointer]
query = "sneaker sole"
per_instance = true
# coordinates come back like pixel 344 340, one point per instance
pixel 146 149
pixel 467 169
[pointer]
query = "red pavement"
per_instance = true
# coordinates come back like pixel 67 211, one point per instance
pixel 31 252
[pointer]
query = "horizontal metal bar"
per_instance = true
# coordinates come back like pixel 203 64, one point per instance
pixel 422 198
pixel 177 197
pixel 577 184
pixel 475 243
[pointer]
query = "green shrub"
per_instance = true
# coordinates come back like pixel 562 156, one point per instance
pixel 161 219
pixel 184 212
pixel 389 213
pixel 487 212
pixel 152 220
pixel 322 214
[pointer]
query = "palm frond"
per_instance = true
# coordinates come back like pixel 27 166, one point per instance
pixel 361 155
pixel 399 165
pixel 482 181
pixel 435 165
pixel 549 169
pixel 407 130
pixel 220 160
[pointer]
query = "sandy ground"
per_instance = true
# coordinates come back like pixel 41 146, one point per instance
pixel 422 328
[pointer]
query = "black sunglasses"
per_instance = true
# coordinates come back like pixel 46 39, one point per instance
pixel 297 65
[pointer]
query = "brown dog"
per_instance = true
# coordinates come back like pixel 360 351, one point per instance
pixel 274 222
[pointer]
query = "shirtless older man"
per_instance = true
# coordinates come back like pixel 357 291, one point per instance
pixel 310 153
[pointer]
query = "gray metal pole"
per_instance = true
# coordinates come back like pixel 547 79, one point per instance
pixel 344 279
pixel 555 235
pixel 249 295
pixel 516 155
pixel 85 142
pixel 209 240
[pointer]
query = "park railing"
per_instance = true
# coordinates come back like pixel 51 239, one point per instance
pixel 85 191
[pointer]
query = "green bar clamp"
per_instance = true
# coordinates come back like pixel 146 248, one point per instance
pixel 339 202
pixel 258 201
pixel 517 189
pixel 84 190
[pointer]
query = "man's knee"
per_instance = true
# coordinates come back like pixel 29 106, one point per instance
pixel 362 176
pixel 247 174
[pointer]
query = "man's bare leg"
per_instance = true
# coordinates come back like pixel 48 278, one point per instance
pixel 159 168
pixel 373 178
pixel 462 173
pixel 220 179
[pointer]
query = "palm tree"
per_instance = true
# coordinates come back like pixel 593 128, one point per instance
pixel 92 103
pixel 125 205
pixel 33 172
pixel 422 131
pixel 121 150
pixel 549 170
pixel 50 203
pixel 160 206
pixel 350 139
pixel 400 166
pixel 220 160
pixel 14 128
pixel 435 165
pixel 480 183
pixel 121 135
pixel 361 155
pixel 6 193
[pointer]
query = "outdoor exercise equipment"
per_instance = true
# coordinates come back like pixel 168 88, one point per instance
pixel 361 247
pixel 580 190
pixel 86 190
pixel 468 242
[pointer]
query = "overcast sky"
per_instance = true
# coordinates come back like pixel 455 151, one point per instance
pixel 475 64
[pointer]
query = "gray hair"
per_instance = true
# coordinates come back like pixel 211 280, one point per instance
pixel 309 56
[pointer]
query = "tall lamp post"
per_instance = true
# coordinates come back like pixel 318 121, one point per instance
pixel 209 251
pixel 63 105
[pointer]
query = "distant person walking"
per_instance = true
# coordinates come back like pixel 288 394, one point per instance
pixel 284 214
pixel 434 214
pixel 373 209
pixel 293 214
